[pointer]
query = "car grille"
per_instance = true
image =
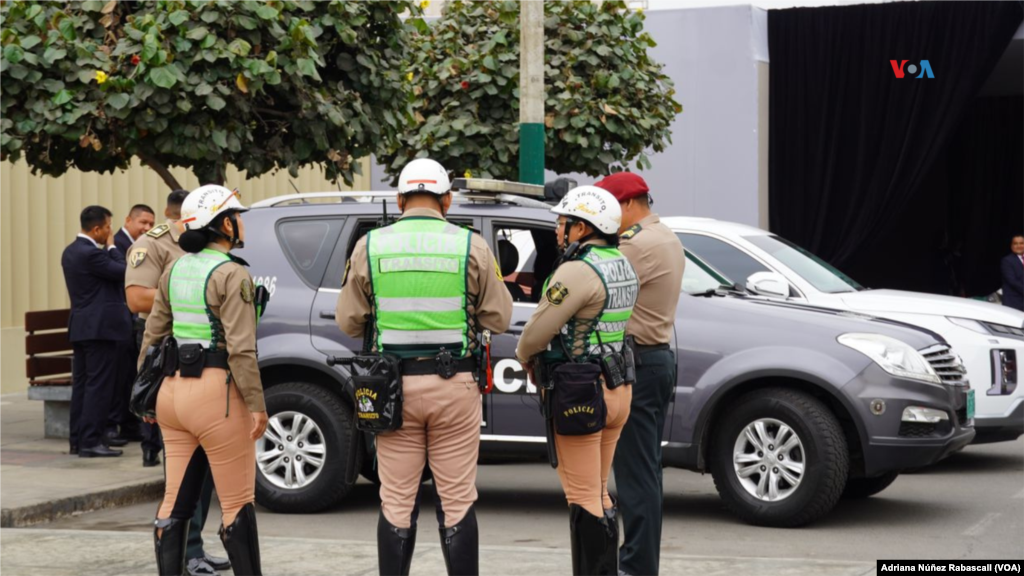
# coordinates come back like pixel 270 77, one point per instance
pixel 947 365
pixel 916 429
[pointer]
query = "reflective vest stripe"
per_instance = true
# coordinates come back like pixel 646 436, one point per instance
pixel 424 304
pixel 403 337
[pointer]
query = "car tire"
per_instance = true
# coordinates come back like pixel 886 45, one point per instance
pixel 820 454
pixel 858 488
pixel 331 429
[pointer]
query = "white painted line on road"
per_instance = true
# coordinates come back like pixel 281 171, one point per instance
pixel 982 525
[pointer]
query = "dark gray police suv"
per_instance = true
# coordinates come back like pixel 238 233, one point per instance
pixel 789 407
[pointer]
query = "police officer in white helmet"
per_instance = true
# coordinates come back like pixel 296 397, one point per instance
pixel 575 343
pixel 424 288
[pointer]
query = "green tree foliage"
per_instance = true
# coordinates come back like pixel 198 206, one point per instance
pixel 261 85
pixel 607 101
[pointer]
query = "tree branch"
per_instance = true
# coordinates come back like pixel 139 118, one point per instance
pixel 277 113
pixel 160 169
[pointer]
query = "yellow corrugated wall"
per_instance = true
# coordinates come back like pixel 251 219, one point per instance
pixel 39 218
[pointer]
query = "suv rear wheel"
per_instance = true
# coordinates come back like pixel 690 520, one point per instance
pixel 302 458
pixel 779 458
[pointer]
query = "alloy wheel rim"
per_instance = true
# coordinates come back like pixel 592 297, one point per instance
pixel 769 460
pixel 292 451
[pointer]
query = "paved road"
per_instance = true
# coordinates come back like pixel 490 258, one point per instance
pixel 968 506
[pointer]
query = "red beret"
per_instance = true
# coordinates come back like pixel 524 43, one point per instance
pixel 624 185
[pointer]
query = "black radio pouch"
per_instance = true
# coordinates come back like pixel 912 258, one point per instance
pixel 377 386
pixel 613 365
pixel 191 360
pixel 578 401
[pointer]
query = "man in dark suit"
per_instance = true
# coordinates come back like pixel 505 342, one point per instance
pixel 100 321
pixel 122 425
pixel 1013 274
pixel 140 220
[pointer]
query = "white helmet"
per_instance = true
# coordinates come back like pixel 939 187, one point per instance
pixel 424 175
pixel 203 204
pixel 593 205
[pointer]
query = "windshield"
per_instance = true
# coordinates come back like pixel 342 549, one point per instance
pixel 698 278
pixel 814 270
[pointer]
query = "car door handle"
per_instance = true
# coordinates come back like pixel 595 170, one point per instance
pixel 327 314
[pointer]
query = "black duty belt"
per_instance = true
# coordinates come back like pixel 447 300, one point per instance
pixel 643 349
pixel 416 367
pixel 217 359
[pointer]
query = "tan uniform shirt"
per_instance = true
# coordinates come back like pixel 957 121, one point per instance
pixel 574 291
pixel 226 295
pixel 657 256
pixel 489 299
pixel 152 255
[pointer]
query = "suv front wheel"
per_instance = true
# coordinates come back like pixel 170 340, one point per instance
pixel 779 458
pixel 301 460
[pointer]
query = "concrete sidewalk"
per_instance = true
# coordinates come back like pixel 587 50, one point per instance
pixel 40 481
pixel 45 552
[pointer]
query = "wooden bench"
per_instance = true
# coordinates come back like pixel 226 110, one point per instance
pixel 48 367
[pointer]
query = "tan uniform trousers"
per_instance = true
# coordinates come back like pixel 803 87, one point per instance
pixel 198 437
pixel 440 424
pixel 584 461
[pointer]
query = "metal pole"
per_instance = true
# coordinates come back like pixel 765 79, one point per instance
pixel 531 91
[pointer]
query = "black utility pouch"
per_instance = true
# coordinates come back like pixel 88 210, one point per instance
pixel 191 360
pixel 377 385
pixel 578 402
pixel 155 367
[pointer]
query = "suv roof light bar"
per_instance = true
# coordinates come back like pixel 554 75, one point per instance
pixel 498 187
pixel 304 197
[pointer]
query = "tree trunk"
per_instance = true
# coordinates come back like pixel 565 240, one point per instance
pixel 162 170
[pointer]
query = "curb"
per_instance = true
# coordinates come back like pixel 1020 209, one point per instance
pixel 74 505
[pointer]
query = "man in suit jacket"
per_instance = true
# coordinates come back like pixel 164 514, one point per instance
pixel 140 220
pixel 100 321
pixel 122 426
pixel 1013 274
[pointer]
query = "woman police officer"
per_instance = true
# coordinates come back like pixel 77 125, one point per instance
pixel 211 410
pixel 579 323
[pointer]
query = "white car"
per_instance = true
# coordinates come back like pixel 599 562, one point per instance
pixel 988 337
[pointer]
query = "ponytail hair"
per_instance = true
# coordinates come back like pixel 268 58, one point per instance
pixel 193 241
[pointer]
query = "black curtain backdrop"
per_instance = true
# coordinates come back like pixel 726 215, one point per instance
pixel 853 150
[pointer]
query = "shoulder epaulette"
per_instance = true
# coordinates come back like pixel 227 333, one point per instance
pixel 631 231
pixel 159 231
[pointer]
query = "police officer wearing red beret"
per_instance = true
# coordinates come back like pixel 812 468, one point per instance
pixel 657 256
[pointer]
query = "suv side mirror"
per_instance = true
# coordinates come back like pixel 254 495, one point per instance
pixel 770 284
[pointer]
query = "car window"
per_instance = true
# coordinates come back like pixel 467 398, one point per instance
pixel 735 264
pixel 526 257
pixel 308 244
pixel 816 271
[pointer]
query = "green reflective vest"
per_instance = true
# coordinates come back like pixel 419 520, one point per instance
pixel 418 271
pixel 194 323
pixel 608 328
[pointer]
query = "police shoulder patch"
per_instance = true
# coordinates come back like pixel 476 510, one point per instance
pixel 631 231
pixel 556 294
pixel 137 256
pixel 159 231
pixel 247 291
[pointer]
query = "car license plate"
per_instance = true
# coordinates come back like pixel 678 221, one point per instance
pixel 970 405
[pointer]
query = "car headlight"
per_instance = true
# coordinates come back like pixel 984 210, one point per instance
pixel 972 325
pixel 894 356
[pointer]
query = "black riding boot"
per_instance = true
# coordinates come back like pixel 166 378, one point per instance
pixel 595 543
pixel 242 542
pixel 394 547
pixel 460 545
pixel 170 537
